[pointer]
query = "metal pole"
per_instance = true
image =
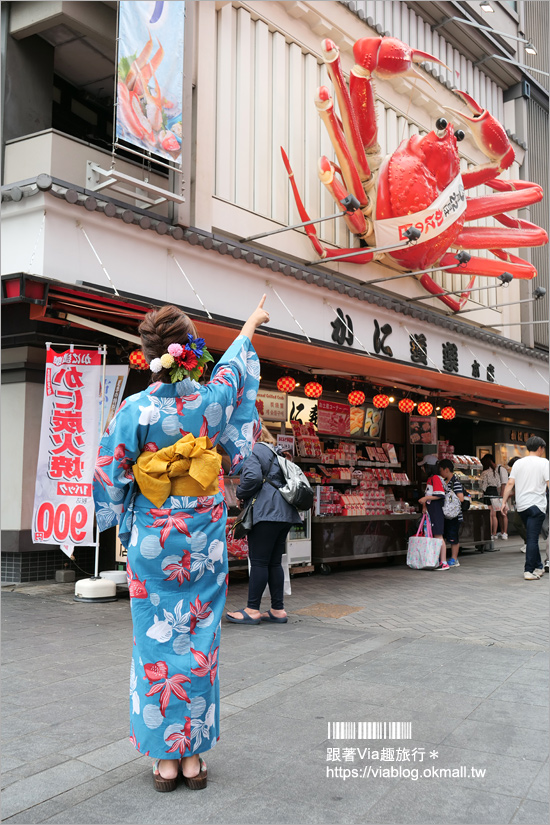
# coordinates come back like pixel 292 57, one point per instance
pixel 367 249
pixel 102 418
pixel 294 226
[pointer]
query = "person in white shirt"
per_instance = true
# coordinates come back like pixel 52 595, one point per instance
pixel 529 479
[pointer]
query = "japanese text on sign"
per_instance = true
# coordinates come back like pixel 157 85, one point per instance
pixel 63 505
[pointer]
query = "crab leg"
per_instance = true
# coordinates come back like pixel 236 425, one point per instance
pixel 496 204
pixel 139 63
pixel 355 222
pixel 434 289
pixel 491 138
pixel 325 107
pixel 361 90
pixel 489 237
pixel 489 268
pixel 310 229
pixel 331 55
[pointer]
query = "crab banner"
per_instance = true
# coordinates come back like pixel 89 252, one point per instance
pixel 419 186
pixel 150 71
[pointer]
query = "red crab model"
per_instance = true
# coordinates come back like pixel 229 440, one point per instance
pixel 420 184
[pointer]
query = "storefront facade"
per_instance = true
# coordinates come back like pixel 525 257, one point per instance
pixel 95 261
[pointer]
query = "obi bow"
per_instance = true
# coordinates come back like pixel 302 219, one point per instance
pixel 190 467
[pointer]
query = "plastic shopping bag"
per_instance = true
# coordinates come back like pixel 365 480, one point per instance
pixel 423 550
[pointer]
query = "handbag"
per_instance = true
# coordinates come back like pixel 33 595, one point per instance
pixel 451 503
pixel 244 522
pixel 424 551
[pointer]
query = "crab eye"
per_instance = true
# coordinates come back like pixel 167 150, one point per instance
pixel 441 123
pixel 459 134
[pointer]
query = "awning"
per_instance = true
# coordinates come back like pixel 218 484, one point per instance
pixel 122 316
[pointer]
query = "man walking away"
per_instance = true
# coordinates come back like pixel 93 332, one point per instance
pixel 529 478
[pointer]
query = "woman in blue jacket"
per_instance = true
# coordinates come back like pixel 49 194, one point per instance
pixel 272 519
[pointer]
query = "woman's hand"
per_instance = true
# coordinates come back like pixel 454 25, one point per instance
pixel 258 317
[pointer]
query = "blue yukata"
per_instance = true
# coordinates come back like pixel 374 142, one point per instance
pixel 177 556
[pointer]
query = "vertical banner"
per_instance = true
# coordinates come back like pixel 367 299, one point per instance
pixel 115 381
pixel 150 76
pixel 63 505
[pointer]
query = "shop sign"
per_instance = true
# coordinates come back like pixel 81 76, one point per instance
pixel 271 405
pixel 520 435
pixel 286 443
pixel 332 418
pixel 63 504
pixel 422 429
pixel 301 409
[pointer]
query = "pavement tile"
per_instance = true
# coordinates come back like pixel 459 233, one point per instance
pixel 501 738
pixel 427 803
pixel 508 775
pixel 536 696
pixel 498 712
pixel 26 769
pixel 417 699
pixel 111 756
pixel 540 790
pixel 531 813
pixel 23 794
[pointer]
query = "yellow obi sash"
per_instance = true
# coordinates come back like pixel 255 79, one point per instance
pixel 190 467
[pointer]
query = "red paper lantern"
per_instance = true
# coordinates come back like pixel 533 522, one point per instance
pixel 137 360
pixel 425 408
pixel 448 413
pixel 356 398
pixel 286 384
pixel 313 389
pixel 406 405
pixel 381 401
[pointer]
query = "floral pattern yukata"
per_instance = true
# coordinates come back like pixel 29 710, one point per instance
pixel 177 558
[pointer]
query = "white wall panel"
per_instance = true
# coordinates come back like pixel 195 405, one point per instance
pixel 225 104
pixel 262 120
pixel 244 111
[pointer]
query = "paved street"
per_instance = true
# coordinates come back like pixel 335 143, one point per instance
pixel 461 655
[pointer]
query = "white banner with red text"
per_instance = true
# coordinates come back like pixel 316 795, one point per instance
pixel 63 504
pixel 431 222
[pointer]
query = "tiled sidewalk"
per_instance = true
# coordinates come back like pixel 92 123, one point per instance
pixel 459 654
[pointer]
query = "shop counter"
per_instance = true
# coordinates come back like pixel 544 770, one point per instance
pixel 346 538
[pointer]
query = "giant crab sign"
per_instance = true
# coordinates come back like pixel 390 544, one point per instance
pixel 420 185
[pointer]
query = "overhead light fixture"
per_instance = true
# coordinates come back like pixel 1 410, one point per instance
pixel 538 293
pixel 529 47
pixel 505 278
pixel 487 8
pixel 507 60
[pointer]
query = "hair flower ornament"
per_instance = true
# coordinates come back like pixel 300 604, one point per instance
pixel 182 361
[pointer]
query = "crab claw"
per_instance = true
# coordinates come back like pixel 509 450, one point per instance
pixel 388 57
pixel 488 133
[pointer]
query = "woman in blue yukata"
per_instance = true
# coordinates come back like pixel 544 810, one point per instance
pixel 158 475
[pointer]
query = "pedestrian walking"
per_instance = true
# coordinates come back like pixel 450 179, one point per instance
pixel 493 481
pixel 158 475
pixel 514 516
pixel 529 480
pixel 452 525
pixel 273 517
pixel 432 503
